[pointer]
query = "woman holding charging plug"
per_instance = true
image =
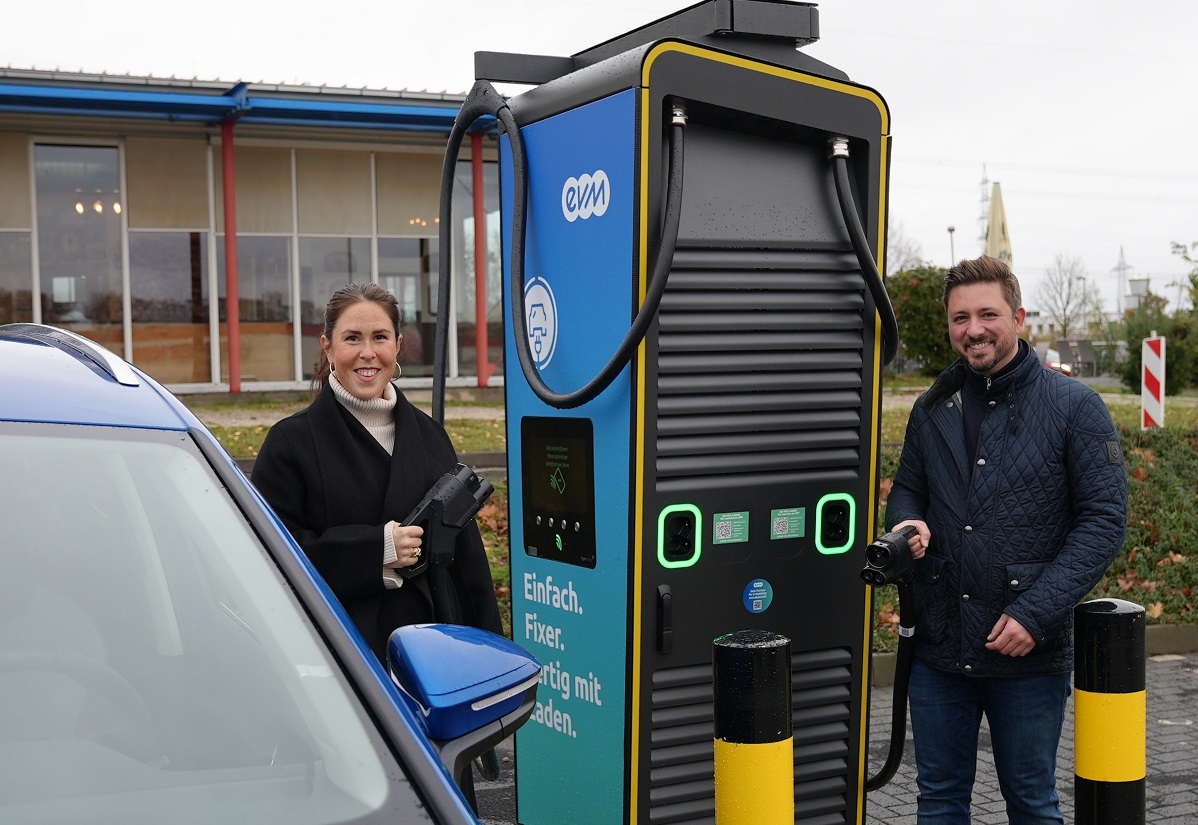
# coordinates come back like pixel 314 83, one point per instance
pixel 343 472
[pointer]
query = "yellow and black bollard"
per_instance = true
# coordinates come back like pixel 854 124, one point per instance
pixel 754 749
pixel 1110 713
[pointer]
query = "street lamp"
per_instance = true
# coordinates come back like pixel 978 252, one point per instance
pixel 1084 306
pixel 952 254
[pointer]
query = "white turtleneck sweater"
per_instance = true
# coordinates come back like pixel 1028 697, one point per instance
pixel 377 416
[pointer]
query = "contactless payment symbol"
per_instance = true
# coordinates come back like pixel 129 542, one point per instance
pixel 540 320
pixel 558 481
pixel 758 595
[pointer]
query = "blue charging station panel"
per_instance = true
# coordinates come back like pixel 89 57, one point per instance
pixel 570 570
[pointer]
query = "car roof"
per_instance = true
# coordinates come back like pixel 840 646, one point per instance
pixel 55 376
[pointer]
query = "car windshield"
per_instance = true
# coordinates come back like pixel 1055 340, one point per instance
pixel 154 665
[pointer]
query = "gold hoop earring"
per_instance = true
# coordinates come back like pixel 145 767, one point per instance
pixel 398 369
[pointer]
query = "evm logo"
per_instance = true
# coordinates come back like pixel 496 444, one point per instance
pixel 586 196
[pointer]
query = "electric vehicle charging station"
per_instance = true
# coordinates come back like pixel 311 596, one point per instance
pixel 725 476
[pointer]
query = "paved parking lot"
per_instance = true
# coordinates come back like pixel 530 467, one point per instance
pixel 1172 784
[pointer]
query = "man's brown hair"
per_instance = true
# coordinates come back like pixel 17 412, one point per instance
pixel 984 270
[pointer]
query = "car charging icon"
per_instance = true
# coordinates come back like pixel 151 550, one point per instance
pixel 540 320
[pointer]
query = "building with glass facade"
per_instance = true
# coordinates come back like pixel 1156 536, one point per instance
pixel 130 206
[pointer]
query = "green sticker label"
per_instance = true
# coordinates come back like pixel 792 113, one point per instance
pixel 730 528
pixel 788 523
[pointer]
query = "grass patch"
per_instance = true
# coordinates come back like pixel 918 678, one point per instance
pixel 477 435
pixel 1158 565
pixel 254 402
pixel 469 435
pixel 241 442
pixel 1126 412
pixel 493 524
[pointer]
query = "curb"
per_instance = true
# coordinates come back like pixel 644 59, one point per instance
pixel 485 463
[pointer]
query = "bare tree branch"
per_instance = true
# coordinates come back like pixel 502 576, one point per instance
pixel 1065 295
pixel 902 253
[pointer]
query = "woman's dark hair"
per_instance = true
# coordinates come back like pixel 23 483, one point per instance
pixel 984 270
pixel 341 300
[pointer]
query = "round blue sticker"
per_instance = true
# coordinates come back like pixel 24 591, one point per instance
pixel 758 596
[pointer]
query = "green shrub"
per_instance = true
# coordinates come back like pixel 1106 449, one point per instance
pixel 1181 349
pixel 915 296
pixel 1157 567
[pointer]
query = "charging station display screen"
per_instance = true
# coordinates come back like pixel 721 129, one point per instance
pixel 559 489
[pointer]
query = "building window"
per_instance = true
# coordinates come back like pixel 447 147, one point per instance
pixel 79 206
pixel 309 220
pixel 168 280
pixel 264 290
pixel 326 264
pixel 16 277
pixel 408 268
pixel 466 315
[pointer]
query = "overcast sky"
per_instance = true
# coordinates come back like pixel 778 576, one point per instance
pixel 1085 112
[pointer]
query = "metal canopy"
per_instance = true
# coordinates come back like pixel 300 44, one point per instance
pixel 236 104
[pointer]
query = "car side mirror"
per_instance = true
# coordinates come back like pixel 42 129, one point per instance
pixel 472 689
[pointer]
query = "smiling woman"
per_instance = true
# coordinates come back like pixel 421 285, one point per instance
pixel 342 474
pixel 363 349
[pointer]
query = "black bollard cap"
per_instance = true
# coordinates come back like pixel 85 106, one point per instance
pixel 1110 647
pixel 751 671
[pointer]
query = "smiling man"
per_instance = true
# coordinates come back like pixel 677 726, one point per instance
pixel 1013 477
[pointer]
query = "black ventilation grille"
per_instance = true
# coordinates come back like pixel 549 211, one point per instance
pixel 759 368
pixel 682 754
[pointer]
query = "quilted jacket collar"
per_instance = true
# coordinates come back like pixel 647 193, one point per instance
pixel 949 382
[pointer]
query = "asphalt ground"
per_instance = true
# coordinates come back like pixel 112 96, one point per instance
pixel 1171 787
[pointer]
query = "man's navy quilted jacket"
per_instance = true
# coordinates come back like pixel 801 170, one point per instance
pixel 1027 529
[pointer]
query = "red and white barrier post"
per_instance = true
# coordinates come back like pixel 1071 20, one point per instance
pixel 1152 382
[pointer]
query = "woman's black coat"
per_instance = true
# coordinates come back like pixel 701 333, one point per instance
pixel 335 488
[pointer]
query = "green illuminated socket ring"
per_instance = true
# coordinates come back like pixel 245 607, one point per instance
pixel 679 535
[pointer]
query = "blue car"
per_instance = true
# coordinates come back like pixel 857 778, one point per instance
pixel 167 653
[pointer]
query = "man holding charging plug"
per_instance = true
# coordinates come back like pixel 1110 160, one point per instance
pixel 1013 478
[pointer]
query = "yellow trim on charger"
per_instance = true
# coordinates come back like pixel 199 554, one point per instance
pixel 765 68
pixel 638 519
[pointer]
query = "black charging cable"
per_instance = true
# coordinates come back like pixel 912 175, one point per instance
pixel 644 316
pixel 485 100
pixel 482 101
pixel 902 676
pixel 888 561
pixel 839 152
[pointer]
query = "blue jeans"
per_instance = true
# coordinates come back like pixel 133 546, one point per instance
pixel 1025 715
